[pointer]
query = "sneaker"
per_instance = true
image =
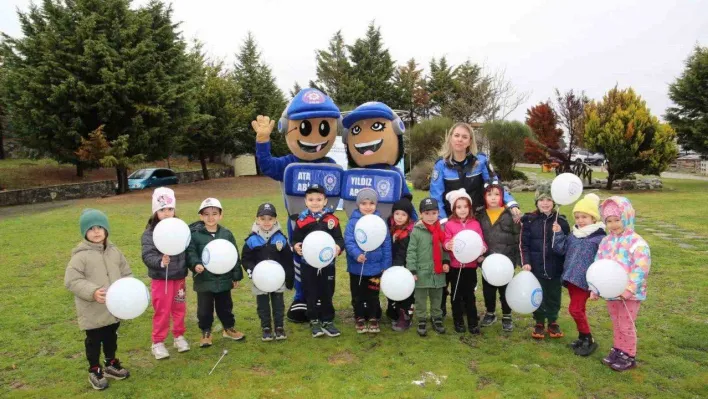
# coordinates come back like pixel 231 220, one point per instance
pixel 316 329
pixel 507 324
pixel 159 351
pixel 329 329
pixel 623 362
pixel 438 326
pixel 488 320
pixel 459 327
pixel 361 326
pixel 576 343
pixel 474 330
pixel 422 328
pixel 280 334
pixel 554 330
pixel 181 344
pixel 231 333
pixel 586 347
pixel 403 322
pixel 267 334
pixel 611 357
pixel 539 331
pixel 374 326
pixel 205 342
pixel 114 370
pixel 96 378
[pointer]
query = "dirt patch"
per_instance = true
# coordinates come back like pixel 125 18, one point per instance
pixel 342 358
pixel 18 385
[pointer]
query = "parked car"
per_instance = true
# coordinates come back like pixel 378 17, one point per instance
pixel 596 159
pixel 144 178
pixel 587 157
pixel 579 155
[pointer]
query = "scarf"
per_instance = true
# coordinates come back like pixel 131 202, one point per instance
pixel 438 238
pixel 582 232
pixel 400 232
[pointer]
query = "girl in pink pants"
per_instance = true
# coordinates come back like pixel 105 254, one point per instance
pixel 630 250
pixel 168 275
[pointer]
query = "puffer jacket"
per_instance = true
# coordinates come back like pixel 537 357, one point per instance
pixel 419 259
pixel 175 270
pixel 268 245
pixel 377 260
pixel 537 244
pixel 580 251
pixel 92 267
pixel 454 226
pixel 207 281
pixel 501 237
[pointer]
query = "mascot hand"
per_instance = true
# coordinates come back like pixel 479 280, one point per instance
pixel 263 126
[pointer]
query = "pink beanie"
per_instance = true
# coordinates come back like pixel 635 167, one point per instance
pixel 163 197
pixel 610 208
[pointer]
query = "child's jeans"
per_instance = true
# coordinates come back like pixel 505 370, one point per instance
pixel 421 303
pixel 263 305
pixel 623 319
pixel 578 300
pixel 168 305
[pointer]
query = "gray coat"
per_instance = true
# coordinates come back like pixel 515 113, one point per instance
pixel 176 270
pixel 503 236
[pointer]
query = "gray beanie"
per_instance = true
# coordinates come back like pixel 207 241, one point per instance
pixel 367 194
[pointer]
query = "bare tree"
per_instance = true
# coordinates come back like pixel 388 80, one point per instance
pixel 570 108
pixel 503 96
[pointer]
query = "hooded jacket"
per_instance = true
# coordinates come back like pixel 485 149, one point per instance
pixel 580 251
pixel 628 249
pixel 152 257
pixel 92 267
pixel 377 260
pixel 263 245
pixel 537 244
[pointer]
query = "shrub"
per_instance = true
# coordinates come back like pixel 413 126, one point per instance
pixel 420 175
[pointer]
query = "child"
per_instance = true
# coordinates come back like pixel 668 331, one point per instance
pixel 267 242
pixel 580 249
pixel 462 278
pixel 427 260
pixel 318 283
pixel 630 250
pixel 401 226
pixel 96 264
pixel 365 269
pixel 538 257
pixel 213 290
pixel 168 273
pixel 502 236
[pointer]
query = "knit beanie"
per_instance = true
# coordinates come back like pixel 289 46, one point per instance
pixel 610 208
pixel 163 197
pixel 543 191
pixel 590 204
pixel 93 217
pixel 404 204
pixel 367 194
pixel 454 195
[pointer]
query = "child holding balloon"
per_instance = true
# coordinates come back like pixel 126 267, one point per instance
pixel 428 262
pixel 537 256
pixel 267 242
pixel 400 225
pixel 95 264
pixel 213 290
pixel 623 245
pixel 365 268
pixel 318 282
pixel 580 249
pixel 501 234
pixel 462 277
pixel 168 274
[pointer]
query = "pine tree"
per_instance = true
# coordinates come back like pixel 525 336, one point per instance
pixel 372 69
pixel 408 81
pixel 440 85
pixel 296 89
pixel 334 72
pixel 471 94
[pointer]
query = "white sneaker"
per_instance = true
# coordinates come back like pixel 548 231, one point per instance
pixel 159 351
pixel 181 344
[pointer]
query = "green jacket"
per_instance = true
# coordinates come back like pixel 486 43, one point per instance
pixel 207 281
pixel 419 258
pixel 91 268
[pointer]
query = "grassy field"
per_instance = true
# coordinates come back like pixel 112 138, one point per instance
pixel 42 352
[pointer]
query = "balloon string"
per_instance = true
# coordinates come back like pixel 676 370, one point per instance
pixel 167 273
pixel 554 233
pixel 630 317
pixel 361 274
pixel 458 281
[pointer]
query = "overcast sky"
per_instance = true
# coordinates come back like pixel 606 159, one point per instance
pixel 588 45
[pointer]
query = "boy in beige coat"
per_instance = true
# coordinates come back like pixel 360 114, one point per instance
pixel 96 264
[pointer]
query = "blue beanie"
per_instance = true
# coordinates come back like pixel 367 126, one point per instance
pixel 311 103
pixel 372 109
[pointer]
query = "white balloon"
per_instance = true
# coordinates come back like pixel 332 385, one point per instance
pixel 171 236
pixel 268 276
pixel 607 278
pixel 566 188
pixel 397 283
pixel 127 298
pixel 498 270
pixel 370 232
pixel 467 246
pixel 219 256
pixel 319 249
pixel 524 293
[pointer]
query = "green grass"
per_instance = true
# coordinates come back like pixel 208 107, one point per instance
pixel 42 352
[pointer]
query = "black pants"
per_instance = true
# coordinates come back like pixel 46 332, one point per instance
pixel 490 297
pixel 207 302
pixel 366 296
pixel 393 306
pixel 264 302
pixel 107 336
pixel 319 288
pixel 464 301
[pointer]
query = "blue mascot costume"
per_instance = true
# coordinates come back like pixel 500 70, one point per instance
pixel 310 124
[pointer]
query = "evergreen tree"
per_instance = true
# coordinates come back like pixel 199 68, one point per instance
pixel 372 69
pixel 471 94
pixel 408 81
pixel 440 85
pixel 296 89
pixel 334 72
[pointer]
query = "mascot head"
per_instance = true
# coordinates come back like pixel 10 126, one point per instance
pixel 373 135
pixel 310 123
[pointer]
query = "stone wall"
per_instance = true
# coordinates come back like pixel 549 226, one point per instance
pixel 103 188
pixel 650 183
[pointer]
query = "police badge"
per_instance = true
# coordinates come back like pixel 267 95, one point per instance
pixel 330 224
pixel 436 174
pixel 279 245
pixel 330 181
pixel 383 187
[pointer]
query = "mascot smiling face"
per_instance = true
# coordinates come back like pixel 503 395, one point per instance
pixel 310 124
pixel 373 135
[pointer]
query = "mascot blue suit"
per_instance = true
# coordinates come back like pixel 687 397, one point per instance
pixel 310 124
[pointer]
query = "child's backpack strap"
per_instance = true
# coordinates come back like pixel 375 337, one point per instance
pixel 388 185
pixel 297 177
